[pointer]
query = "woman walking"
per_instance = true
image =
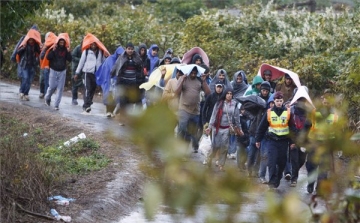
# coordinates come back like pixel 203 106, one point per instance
pixel 225 120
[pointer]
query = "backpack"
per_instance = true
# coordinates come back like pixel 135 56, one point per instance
pixel 298 120
pixel 13 55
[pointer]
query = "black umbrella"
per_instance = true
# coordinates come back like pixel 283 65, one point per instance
pixel 252 103
pixel 252 98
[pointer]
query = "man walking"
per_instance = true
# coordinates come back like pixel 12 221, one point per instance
pixel 58 56
pixel 189 88
pixel 90 61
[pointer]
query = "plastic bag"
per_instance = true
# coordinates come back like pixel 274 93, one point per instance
pixel 205 146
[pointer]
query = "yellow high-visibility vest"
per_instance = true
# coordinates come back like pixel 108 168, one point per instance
pixel 279 124
pixel 317 130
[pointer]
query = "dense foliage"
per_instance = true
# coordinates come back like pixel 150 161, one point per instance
pixel 15 14
pixel 323 48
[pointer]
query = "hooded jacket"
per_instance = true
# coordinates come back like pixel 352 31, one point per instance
pixel 226 81
pixel 208 107
pixel 196 57
pixel 239 88
pixel 254 91
pixel 162 61
pixel 143 57
pixel 153 61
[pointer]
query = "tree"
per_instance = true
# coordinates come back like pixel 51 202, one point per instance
pixel 14 16
pixel 185 9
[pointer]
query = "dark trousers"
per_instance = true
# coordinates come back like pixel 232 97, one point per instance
pixel 90 87
pixel 76 85
pixel 42 82
pixel 252 158
pixel 276 160
pixel 322 163
pixel 297 159
pixel 241 155
pixel 110 102
pixel 188 128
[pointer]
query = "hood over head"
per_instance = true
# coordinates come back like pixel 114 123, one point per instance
pixel 196 57
pixel 265 85
pixel 256 80
pixel 175 60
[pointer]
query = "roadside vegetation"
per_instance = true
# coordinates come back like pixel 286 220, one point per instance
pixel 33 166
pixel 322 48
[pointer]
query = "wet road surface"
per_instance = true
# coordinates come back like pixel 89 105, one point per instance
pixel 96 119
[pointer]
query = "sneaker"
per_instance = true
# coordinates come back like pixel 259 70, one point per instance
pixel 287 177
pixel 108 114
pixel 26 98
pixel 205 162
pixel 221 168
pixel 293 184
pixel 56 108
pixel 21 96
pixel 74 102
pixel 195 150
pixel 263 180
pixel 217 163
pixel 47 102
pixel 88 109
pixel 233 156
pixel 41 95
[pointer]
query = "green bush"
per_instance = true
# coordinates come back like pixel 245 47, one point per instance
pixel 78 158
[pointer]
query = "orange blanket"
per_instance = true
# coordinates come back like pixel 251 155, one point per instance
pixel 89 39
pixel 65 37
pixel 50 40
pixel 32 33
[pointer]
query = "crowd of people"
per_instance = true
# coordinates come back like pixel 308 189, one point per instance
pixel 265 125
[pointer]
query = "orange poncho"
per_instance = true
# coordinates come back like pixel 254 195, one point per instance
pixel 32 33
pixel 89 39
pixel 50 40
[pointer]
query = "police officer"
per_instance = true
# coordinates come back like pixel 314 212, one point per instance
pixel 274 126
pixel 321 131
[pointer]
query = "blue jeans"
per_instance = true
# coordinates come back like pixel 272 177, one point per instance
pixel 252 155
pixel 264 151
pixel 232 144
pixel 26 79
